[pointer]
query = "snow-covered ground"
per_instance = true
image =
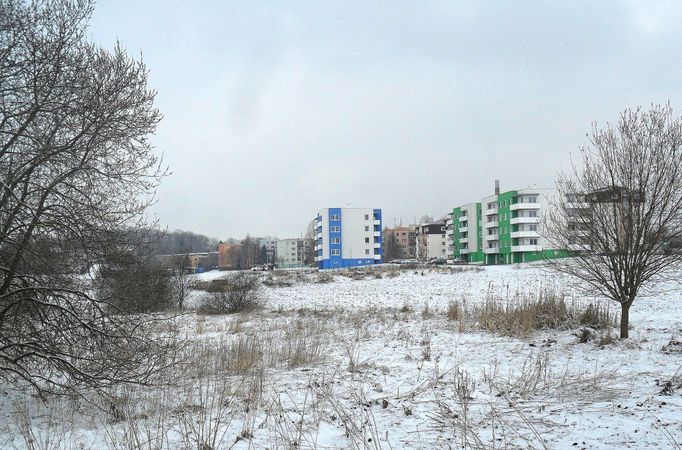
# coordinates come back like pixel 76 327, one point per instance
pixel 376 363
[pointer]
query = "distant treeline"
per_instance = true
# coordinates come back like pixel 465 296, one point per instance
pixel 178 241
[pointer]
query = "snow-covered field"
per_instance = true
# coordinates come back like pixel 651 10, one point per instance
pixel 377 363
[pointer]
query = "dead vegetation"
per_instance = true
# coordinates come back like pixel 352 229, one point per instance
pixel 525 313
pixel 281 377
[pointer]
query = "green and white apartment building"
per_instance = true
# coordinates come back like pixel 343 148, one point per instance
pixel 504 228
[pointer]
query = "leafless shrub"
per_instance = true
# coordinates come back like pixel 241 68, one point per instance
pixel 206 414
pixel 142 424
pixel 296 423
pixel 672 347
pixel 357 420
pixel 670 386
pixel 130 285
pixel 324 277
pixel 238 293
pixel 54 431
pixel 606 338
pixel 537 376
pixel 585 335
pixel 181 284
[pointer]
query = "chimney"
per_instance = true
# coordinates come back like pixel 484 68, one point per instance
pixel 497 187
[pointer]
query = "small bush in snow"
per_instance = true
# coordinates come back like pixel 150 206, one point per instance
pixel 237 293
pixel 324 277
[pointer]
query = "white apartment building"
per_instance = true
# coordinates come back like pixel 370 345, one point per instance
pixel 348 237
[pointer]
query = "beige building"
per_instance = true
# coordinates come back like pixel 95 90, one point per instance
pixel 406 238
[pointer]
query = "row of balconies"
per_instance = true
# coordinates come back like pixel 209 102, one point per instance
pixel 514 248
pixel 513 207
pixel 513 221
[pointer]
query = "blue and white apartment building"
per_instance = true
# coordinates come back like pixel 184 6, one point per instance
pixel 347 237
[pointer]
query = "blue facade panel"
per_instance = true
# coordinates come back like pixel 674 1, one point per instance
pixel 343 263
pixel 335 248
pixel 378 239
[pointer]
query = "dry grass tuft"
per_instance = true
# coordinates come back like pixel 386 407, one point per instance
pixel 522 315
pixel 454 311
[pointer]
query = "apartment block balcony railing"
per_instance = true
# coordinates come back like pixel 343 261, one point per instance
pixel 525 234
pixel 524 206
pixel 526 248
pixel 517 220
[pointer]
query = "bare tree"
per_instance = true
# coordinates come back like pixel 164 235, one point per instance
pixel 180 280
pixel 309 244
pixel 76 174
pixel 134 285
pixel 620 212
pixel 250 251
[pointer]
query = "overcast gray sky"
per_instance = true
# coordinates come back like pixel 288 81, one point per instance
pixel 274 110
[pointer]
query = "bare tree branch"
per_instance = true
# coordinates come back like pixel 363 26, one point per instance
pixel 620 210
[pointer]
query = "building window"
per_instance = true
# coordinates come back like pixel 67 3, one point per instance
pixel 531 199
pixel 366 216
pixel 336 252
pixel 532 213
pixel 366 240
pixel 335 229
pixel 334 217
pixel 336 240
pixel 367 228
pixel 366 251
pixel 533 241
pixel 533 227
